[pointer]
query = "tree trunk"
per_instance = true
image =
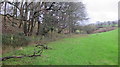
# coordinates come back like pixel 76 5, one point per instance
pixel 5 12
pixel 38 30
pixel 25 22
pixel 31 29
pixel 21 15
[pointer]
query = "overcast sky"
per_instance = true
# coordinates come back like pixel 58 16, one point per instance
pixel 102 10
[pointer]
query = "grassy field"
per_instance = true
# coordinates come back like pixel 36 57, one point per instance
pixel 95 49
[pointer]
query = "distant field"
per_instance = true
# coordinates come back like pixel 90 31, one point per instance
pixel 95 49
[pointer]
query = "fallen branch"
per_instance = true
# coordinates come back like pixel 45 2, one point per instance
pixel 44 46
pixel 36 53
pixel 9 57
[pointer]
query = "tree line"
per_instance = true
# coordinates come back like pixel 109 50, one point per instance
pixel 43 17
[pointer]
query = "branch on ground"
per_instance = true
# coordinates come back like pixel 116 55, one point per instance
pixel 9 57
pixel 35 54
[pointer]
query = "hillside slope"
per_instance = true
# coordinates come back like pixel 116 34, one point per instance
pixel 10 26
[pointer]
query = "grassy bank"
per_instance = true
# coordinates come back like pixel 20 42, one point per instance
pixel 95 49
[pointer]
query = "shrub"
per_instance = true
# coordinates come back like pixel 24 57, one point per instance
pixel 77 31
pixel 14 40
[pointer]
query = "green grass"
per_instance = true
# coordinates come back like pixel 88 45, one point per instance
pixel 95 49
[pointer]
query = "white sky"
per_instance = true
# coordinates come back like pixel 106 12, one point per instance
pixel 102 10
